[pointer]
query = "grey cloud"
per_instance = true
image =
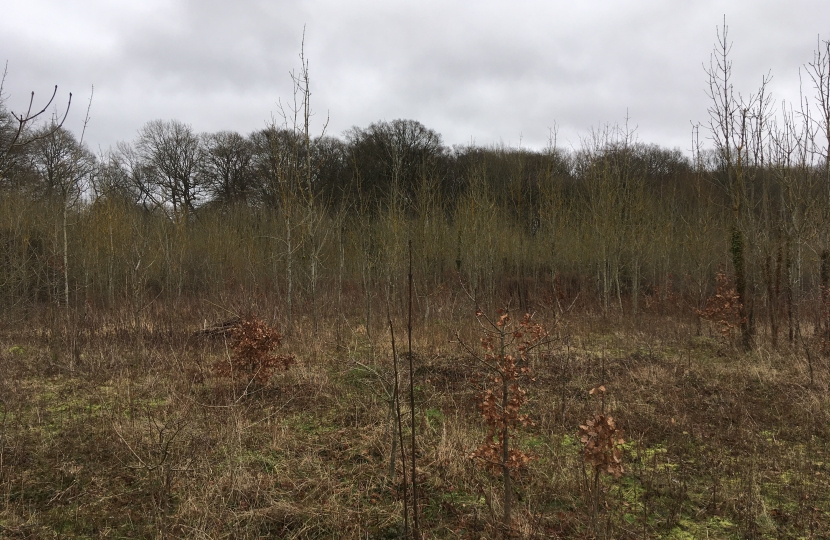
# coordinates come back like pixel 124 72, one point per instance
pixel 487 71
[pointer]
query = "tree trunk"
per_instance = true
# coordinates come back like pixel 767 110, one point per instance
pixel 289 272
pixel 65 257
pixel 367 291
pixel 508 488
pixel 824 280
pixel 314 282
pixel 772 301
pixel 738 261
pixel 789 294
pixel 342 262
pixel 635 287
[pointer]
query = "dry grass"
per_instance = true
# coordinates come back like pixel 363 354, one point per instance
pixel 128 433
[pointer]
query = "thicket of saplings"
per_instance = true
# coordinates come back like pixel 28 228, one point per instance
pixel 379 336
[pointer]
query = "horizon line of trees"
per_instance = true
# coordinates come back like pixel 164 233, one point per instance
pixel 322 224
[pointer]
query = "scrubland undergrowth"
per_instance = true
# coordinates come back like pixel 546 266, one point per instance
pixel 136 434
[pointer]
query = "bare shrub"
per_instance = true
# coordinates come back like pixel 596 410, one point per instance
pixel 253 343
pixel 724 308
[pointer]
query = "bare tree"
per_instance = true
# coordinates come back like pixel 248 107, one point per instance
pixel 313 218
pixel 122 175
pixel 226 166
pixel 732 124
pixel 171 153
pixel 391 158
pixel 819 72
pixel 64 167
pixel 291 164
pixel 603 166
pixel 16 129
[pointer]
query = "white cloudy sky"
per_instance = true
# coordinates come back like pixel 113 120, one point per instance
pixel 482 71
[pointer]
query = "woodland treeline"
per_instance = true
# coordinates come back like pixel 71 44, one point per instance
pixel 321 225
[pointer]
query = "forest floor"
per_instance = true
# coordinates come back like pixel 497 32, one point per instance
pixel 123 433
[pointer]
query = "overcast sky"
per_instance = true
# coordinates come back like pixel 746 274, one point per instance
pixel 475 71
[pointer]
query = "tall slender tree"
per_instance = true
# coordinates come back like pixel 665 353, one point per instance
pixel 63 166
